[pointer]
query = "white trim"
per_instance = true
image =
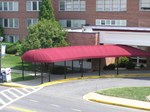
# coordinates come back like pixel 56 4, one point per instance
pixel 72 4
pixel 8 6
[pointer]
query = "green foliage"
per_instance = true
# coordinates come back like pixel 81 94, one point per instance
pixel 44 34
pixel 142 66
pixel 12 48
pixel 58 70
pixel 122 61
pixel 110 67
pixel 46 10
pixel 130 65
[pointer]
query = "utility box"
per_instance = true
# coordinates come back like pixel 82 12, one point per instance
pixel 6 74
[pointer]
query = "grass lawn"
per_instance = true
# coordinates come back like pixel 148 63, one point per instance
pixel 137 93
pixel 14 62
pixel 18 77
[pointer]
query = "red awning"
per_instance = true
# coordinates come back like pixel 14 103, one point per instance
pixel 81 52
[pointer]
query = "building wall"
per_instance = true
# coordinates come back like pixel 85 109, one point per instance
pixel 134 17
pixel 22 15
pixel 81 38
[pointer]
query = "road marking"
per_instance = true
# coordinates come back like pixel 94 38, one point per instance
pixel 33 100
pixel 19 92
pixel 76 110
pixel 6 96
pixel 54 105
pixel 12 93
pixel 15 91
pixel 26 90
pixel 1 101
pixel 20 109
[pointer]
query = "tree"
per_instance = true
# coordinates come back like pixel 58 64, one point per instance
pixel 46 10
pixel 44 34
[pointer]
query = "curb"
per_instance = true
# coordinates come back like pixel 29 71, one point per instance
pixel 117 101
pixel 92 77
pixel 16 85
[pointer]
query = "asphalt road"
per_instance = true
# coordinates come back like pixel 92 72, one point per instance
pixel 67 97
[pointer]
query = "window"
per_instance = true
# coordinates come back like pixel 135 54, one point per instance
pixel 108 22
pixel 72 23
pixel 111 5
pixel 33 5
pixel 31 21
pixel 10 22
pixel 72 5
pixel 9 6
pixel 145 5
pixel 11 38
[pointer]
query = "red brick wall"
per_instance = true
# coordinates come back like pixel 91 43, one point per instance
pixel 133 15
pixel 81 38
pixel 22 15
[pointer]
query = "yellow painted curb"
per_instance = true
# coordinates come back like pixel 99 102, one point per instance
pixel 93 77
pixel 20 109
pixel 117 101
pixel 16 85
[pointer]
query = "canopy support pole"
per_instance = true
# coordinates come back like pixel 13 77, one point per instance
pixel 99 72
pixel 65 70
pixel 35 69
pixel 72 65
pixel 117 67
pixel 81 67
pixel 41 73
pixel 49 67
pixel 22 70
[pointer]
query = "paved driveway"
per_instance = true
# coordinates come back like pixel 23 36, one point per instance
pixel 67 97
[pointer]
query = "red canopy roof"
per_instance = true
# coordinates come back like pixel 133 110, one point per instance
pixel 81 52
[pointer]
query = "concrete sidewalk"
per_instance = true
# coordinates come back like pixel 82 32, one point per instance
pixel 75 76
pixel 117 101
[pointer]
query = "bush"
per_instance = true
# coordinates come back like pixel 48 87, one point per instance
pixel 12 48
pixel 130 65
pixel 122 61
pixel 142 66
pixel 110 67
pixel 58 70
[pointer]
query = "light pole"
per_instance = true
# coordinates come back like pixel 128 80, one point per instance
pixel 1 39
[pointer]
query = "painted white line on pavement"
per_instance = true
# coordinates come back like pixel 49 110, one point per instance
pixel 12 93
pixel 77 110
pixel 2 102
pixel 21 96
pixel 3 94
pixel 33 101
pixel 54 105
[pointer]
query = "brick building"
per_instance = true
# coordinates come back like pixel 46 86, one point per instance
pixel 17 15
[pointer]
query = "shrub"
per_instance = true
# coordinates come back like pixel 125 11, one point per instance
pixel 122 61
pixel 110 67
pixel 142 66
pixel 12 48
pixel 130 65
pixel 58 70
